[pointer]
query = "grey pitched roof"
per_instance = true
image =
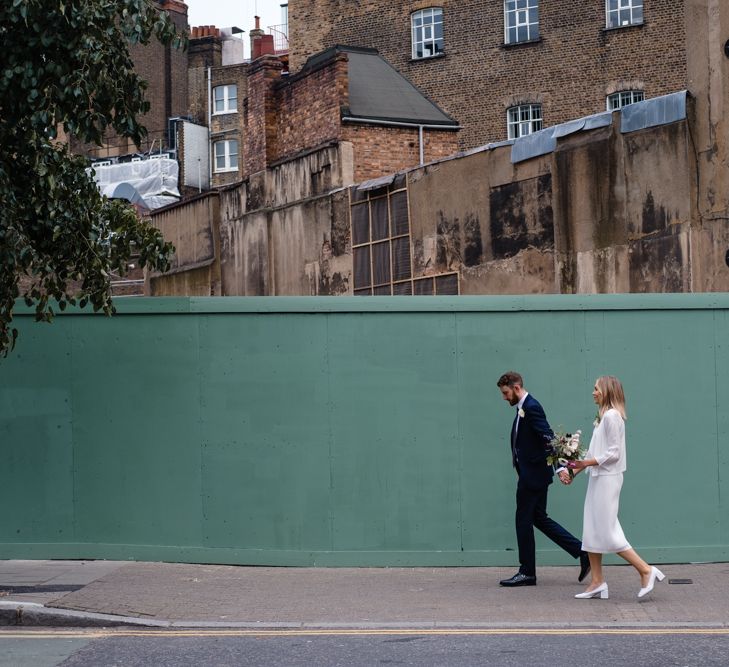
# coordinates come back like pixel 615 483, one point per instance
pixel 378 92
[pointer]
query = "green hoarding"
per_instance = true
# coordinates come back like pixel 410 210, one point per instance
pixel 351 431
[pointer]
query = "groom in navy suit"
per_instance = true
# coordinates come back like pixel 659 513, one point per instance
pixel 530 436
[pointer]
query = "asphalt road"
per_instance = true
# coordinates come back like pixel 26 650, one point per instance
pixel 458 648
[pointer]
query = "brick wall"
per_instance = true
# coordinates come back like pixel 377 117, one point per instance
pixel 308 108
pixel 385 150
pixel 570 71
pixel 260 114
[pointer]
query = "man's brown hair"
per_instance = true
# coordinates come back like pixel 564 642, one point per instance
pixel 510 379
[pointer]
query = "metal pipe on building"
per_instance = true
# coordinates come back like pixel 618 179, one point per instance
pixel 210 122
pixel 393 123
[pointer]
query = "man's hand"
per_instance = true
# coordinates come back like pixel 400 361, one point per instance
pixel 564 477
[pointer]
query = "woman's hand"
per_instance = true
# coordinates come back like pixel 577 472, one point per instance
pixel 565 477
pixel 581 465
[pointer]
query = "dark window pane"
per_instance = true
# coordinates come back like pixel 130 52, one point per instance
pixel 402 289
pixel 381 291
pixel 357 195
pixel 399 213
pixel 423 286
pixel 446 284
pixel 381 263
pixel 360 224
pixel 399 182
pixel 363 292
pixel 401 258
pixel 362 269
pixel 379 219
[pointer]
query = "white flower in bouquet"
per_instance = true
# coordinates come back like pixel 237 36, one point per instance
pixel 564 447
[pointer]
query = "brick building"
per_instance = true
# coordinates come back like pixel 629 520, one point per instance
pixel 165 70
pixel 217 87
pixel 343 94
pixel 505 68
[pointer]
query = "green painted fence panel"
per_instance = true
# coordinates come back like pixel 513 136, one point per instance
pixel 300 431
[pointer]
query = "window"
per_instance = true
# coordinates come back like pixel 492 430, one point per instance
pixel 225 99
pixel 226 155
pixel 521 21
pixel 622 13
pixel 623 98
pixel 427 26
pixel 381 246
pixel 523 120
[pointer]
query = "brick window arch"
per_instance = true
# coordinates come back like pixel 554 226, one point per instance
pixel 622 98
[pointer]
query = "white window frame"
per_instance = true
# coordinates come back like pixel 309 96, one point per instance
pixel 229 101
pixel 623 13
pixel 623 98
pixel 520 15
pixel 523 119
pixel 424 35
pixel 224 149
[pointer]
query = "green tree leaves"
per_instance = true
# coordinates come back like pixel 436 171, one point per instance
pixel 68 68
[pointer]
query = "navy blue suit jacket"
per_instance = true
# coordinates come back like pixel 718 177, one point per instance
pixel 529 448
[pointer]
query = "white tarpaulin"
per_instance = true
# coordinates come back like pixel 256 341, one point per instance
pixel 155 179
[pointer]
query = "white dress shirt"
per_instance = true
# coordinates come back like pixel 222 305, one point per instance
pixel 519 406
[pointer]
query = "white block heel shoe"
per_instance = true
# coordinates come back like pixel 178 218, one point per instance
pixel 655 574
pixel 600 592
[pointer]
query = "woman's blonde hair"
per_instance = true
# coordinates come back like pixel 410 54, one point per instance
pixel 612 395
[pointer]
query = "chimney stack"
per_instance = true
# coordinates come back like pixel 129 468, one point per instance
pixel 261 43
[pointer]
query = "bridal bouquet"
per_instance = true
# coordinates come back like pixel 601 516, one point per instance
pixel 565 447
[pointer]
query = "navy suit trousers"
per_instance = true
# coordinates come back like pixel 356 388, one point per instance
pixel 531 512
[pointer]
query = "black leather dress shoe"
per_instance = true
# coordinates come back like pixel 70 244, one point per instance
pixel 584 566
pixel 519 579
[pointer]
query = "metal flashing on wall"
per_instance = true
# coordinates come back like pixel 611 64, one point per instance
pixel 639 116
pixel 545 141
pixel 653 112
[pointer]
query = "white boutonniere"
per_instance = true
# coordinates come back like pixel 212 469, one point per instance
pixel 522 414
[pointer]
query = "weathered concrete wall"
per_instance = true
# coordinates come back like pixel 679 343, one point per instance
pixel 193 228
pixel 283 231
pixel 603 212
pixel 486 218
pixel 707 25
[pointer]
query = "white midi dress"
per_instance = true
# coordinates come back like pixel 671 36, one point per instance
pixel 601 529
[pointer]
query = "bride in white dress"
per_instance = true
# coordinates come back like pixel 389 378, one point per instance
pixel 604 464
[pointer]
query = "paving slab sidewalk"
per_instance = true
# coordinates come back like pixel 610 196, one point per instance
pixel 219 595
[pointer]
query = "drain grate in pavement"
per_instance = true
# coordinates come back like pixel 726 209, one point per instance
pixel 680 581
pixel 60 588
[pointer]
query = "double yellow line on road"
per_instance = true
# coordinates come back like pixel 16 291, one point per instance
pixel 63 633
